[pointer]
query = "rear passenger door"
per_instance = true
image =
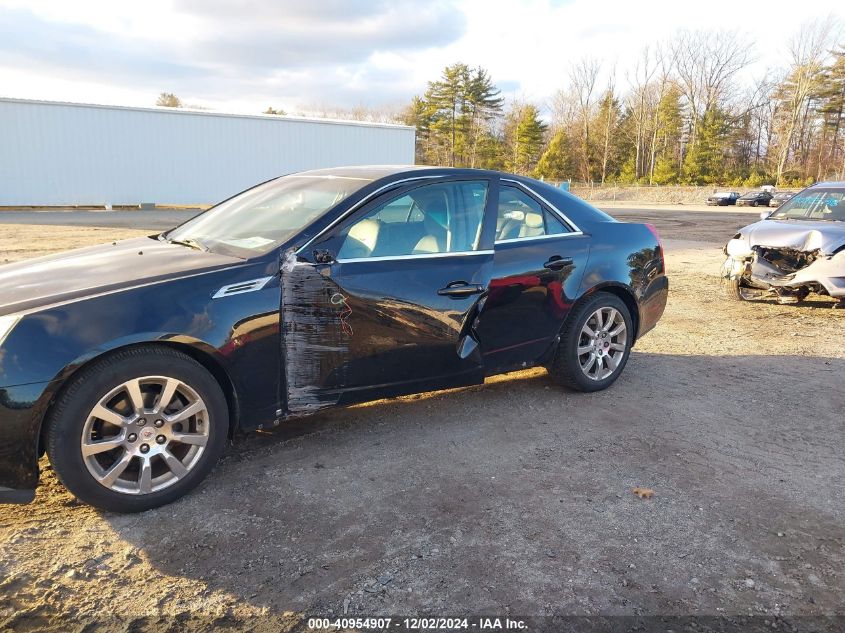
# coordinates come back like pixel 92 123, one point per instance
pixel 539 258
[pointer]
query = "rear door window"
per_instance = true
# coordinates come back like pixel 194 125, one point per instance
pixel 521 217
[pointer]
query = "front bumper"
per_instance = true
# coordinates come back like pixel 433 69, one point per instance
pixel 827 273
pixel 22 409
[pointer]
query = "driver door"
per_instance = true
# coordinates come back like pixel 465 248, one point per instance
pixel 386 303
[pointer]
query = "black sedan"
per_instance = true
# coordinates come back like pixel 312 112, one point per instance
pixel 754 199
pixel 723 199
pixel 130 364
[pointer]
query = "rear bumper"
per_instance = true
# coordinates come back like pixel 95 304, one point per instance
pixel 653 304
pixel 22 409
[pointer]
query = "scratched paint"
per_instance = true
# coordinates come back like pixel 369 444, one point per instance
pixel 315 334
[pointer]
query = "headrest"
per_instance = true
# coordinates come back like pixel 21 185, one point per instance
pixel 432 202
pixel 533 220
pixel 366 232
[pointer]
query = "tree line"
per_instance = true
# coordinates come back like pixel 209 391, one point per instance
pixel 682 114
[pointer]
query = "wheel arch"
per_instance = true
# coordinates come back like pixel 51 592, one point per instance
pixel 196 350
pixel 623 292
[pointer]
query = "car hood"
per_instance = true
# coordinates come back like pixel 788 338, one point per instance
pixel 798 234
pixel 88 271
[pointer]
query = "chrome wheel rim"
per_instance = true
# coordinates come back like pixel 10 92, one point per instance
pixel 145 435
pixel 602 343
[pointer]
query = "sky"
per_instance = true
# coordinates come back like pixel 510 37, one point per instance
pixel 304 55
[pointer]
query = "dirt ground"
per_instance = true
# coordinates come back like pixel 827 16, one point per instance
pixel 512 498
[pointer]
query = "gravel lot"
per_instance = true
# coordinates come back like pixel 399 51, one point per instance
pixel 509 498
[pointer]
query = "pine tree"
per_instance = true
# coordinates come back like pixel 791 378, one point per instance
pixel 557 162
pixel 524 133
pixel 704 162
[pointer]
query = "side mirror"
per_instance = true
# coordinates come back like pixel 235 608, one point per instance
pixel 323 257
pixel 765 214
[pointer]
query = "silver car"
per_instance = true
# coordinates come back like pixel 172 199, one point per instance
pixel 795 250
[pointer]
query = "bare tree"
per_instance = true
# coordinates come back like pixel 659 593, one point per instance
pixel 706 63
pixel 665 60
pixel 582 77
pixel 640 83
pixel 608 121
pixel 808 49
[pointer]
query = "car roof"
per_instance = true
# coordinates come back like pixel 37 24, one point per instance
pixel 370 172
pixel 377 172
pixel 836 184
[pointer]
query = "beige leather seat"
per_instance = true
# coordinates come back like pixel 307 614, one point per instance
pixel 532 225
pixel 361 240
pixel 432 202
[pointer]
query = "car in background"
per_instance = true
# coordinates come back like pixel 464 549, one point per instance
pixel 131 363
pixel 797 249
pixel 723 198
pixel 779 198
pixel 754 199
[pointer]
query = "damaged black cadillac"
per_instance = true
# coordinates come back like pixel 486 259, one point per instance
pixel 130 364
pixel 796 250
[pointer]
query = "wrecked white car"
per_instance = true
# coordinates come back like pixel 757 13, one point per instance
pixel 796 250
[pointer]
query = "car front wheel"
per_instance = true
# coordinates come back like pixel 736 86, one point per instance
pixel 594 345
pixel 137 429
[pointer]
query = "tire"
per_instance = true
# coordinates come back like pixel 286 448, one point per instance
pixel 732 290
pixel 94 430
pixel 753 203
pixel 735 291
pixel 567 367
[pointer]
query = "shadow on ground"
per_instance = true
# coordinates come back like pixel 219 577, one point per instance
pixel 515 497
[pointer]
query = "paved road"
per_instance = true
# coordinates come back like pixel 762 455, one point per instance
pixel 672 222
pixel 159 219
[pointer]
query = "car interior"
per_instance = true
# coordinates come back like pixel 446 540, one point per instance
pixel 441 218
pixel 521 217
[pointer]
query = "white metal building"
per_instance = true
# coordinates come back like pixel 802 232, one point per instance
pixel 55 153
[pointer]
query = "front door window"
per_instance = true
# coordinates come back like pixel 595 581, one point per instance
pixel 433 219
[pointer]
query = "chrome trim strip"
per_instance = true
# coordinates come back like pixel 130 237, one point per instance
pixel 417 256
pixel 359 204
pixel 547 203
pixel 538 237
pixel 242 287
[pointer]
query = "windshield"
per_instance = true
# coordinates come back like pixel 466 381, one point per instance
pixel 813 204
pixel 262 218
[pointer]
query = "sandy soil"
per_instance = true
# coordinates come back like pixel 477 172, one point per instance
pixel 508 498
pixel 20 241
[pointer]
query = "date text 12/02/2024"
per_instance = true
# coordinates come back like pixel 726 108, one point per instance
pixel 417 624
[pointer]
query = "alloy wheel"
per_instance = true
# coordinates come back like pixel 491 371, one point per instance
pixel 602 343
pixel 145 435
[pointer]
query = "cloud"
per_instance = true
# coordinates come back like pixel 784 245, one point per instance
pixel 31 42
pixel 307 52
pixel 289 34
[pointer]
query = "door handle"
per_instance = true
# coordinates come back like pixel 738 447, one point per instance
pixel 460 289
pixel 556 262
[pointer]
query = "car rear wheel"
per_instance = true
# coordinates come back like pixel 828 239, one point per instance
pixel 137 429
pixel 594 345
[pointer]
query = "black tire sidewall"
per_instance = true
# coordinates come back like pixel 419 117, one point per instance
pixel 68 416
pixel 567 355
